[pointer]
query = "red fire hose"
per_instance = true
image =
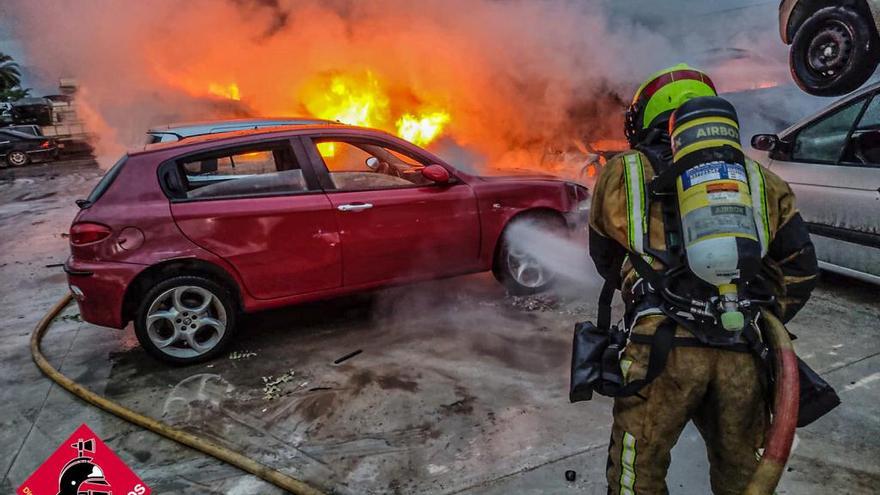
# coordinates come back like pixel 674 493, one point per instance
pixel 780 435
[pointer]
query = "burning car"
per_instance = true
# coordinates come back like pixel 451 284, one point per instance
pixel 834 45
pixel 263 218
pixel 832 162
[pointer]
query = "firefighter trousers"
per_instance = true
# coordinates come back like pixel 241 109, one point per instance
pixel 720 390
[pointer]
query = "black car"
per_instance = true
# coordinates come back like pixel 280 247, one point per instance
pixel 18 148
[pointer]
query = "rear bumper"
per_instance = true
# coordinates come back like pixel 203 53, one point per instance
pixel 99 289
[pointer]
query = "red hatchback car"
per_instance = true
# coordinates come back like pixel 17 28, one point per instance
pixel 181 238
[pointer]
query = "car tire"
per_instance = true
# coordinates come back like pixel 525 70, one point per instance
pixel 17 158
pixel 834 52
pixel 517 271
pixel 185 320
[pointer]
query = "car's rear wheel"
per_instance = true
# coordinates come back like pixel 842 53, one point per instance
pixel 185 320
pixel 517 265
pixel 17 158
pixel 834 52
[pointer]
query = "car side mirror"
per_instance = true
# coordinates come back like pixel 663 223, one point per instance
pixel 436 173
pixel 372 163
pixel 765 142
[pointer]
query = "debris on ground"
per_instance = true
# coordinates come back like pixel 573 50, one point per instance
pixel 348 356
pixel 272 385
pixel 73 317
pixel 538 302
pixel 236 355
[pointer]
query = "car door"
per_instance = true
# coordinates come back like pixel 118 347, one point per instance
pixel 395 225
pixel 834 170
pixel 258 209
pixel 7 143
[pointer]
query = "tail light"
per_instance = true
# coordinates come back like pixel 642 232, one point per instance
pixel 44 145
pixel 87 233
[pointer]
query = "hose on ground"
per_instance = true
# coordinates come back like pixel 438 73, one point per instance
pixel 777 445
pixel 780 435
pixel 203 445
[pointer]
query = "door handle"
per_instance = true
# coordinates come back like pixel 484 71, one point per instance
pixel 354 207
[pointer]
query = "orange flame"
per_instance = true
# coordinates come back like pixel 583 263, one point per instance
pixel 361 99
pixel 422 129
pixel 350 99
pixel 228 91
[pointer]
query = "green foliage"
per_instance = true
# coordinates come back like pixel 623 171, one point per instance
pixel 13 94
pixel 10 80
pixel 10 72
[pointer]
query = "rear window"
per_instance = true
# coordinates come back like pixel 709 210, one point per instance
pixel 105 181
pixel 255 170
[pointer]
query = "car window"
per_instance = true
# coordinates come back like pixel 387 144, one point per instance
pixel 264 170
pixel 863 148
pixel 871 118
pixel 357 166
pixel 106 181
pixel 823 141
pixel 13 136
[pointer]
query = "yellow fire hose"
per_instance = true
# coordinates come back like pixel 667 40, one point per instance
pixel 224 454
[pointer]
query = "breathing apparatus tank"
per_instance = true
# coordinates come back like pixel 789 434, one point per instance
pixel 719 233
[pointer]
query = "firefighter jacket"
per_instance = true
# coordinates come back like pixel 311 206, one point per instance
pixel 617 217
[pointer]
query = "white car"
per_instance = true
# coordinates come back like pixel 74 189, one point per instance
pixel 832 162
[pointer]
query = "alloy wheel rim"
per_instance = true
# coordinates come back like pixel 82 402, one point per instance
pixel 186 321
pixel 17 158
pixel 525 269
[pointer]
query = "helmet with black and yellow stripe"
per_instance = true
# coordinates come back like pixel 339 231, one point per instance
pixel 660 95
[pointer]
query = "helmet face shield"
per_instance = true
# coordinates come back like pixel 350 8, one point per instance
pixel 660 95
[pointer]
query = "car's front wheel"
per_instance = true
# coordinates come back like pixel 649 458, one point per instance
pixel 834 52
pixel 17 158
pixel 185 320
pixel 518 265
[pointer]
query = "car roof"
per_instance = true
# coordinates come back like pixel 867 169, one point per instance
pixel 231 135
pixel 189 129
pixel 18 134
pixel 831 108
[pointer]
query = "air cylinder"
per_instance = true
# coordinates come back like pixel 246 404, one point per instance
pixel 718 226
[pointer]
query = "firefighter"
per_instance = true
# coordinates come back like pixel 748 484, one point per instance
pixel 720 389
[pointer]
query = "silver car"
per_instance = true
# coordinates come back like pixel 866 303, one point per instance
pixel 832 162
pixel 176 132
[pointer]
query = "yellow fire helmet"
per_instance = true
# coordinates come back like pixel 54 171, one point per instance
pixel 660 95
